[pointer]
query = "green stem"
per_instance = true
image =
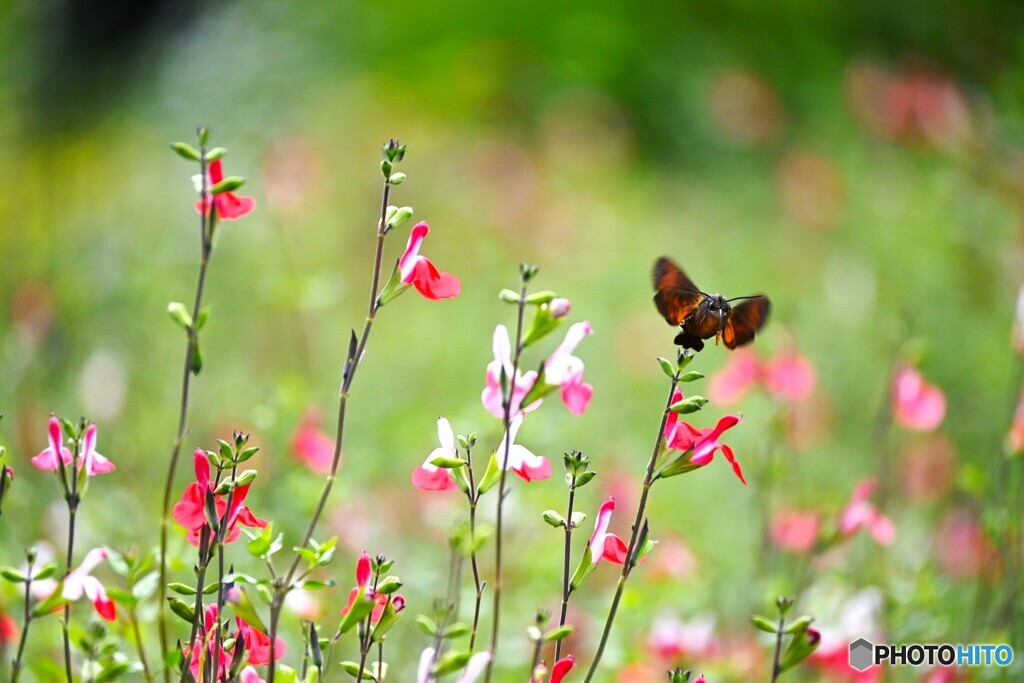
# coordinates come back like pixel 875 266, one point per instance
pixel 16 665
pixel 284 586
pixel 206 220
pixel 133 619
pixel 566 584
pixel 641 508
pixel 507 401
pixel 778 649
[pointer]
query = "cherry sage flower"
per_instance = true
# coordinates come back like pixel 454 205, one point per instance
pixel 704 442
pixel 364 573
pixel 430 477
pixel 190 511
pixel 603 545
pixel 229 205
pixel 419 272
pixel 520 460
pixel 491 396
pixel 257 644
pixel 78 582
pixel 313 447
pixel 56 453
pixel 564 370
pixel 474 667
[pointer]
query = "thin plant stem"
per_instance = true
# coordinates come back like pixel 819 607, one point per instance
pixel 133 619
pixel 566 585
pixel 507 401
pixel 536 659
pixel 71 495
pixel 284 585
pixel 478 585
pixel 17 665
pixel 367 635
pixel 640 510
pixel 207 218
pixel 778 649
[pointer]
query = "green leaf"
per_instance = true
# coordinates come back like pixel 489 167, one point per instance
pixel 558 633
pixel 362 605
pixel 691 376
pixel 113 672
pixel 146 586
pixel 352 669
pixel 427 625
pixel 456 630
pixel 690 404
pixel 585 478
pixel 185 151
pixel 451 661
pixel 12 574
pixel 122 597
pixel 46 571
pixel 182 588
pixel 216 154
pixel 762 623
pixel 229 184
pixel 389 585
pixel 492 475
pixel 552 518
pixel 667 367
pixel 182 609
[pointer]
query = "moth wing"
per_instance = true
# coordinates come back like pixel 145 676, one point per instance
pixel 675 294
pixel 745 321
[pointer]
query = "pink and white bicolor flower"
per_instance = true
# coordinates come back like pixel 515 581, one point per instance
pixel 92 462
pixel 430 477
pixel 603 545
pixel 564 370
pixel 917 404
pixel 79 582
pixel 520 460
pixel 491 396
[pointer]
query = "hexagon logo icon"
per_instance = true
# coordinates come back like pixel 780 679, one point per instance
pixel 862 654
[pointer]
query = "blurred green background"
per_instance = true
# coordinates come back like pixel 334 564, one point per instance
pixel 861 163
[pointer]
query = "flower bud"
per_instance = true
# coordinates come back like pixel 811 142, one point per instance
pixel 539 298
pixel 691 376
pixel 400 218
pixel 180 315
pixel 229 184
pixel 508 296
pixel 397 178
pixel 578 518
pixel 688 405
pixel 185 151
pixel 215 154
pixel 559 308
pixel 762 623
pixel 554 635
pixel 554 519
pixel 799 624
pixel 678 675
pixel 245 478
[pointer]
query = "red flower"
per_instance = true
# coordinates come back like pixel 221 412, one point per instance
pixel 788 376
pixel 229 205
pixel 363 575
pixel 860 514
pixel 416 270
pixel 315 448
pixel 704 442
pixel 257 644
pixel 190 512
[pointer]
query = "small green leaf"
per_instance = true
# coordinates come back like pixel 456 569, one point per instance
pixel 182 588
pixel 585 478
pixel 352 669
pixel 146 586
pixel 667 367
pixel 691 376
pixel 185 151
pixel 216 154
pixel 762 623
pixel 554 519
pixel 451 661
pixel 182 609
pixel 180 315
pixel 12 574
pixel 558 633
pixel 427 625
pixel 229 184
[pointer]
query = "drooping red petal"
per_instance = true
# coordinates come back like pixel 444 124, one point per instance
pixel 735 465
pixel 614 550
pixel 436 480
pixel 231 207
pixel 561 667
pixel 432 284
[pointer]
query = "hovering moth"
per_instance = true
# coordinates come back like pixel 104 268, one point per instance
pixel 701 316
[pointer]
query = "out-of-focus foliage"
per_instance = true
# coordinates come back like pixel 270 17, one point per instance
pixel 861 163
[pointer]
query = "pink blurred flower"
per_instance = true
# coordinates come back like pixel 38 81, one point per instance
pixel 928 468
pixel 78 582
pixel 672 639
pixel 603 545
pixel 250 675
pixel 795 530
pixel 51 457
pixel 520 460
pixel 961 547
pixel 416 270
pixel 190 511
pixel 559 308
pixel 917 405
pixel 840 619
pixel 229 205
pixel 303 604
pixel 704 442
pixel 491 396
pixel 429 477
pixel 8 630
pixel 562 369
pixel 313 447
pixel 674 561
pixel 788 376
pixel 860 514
